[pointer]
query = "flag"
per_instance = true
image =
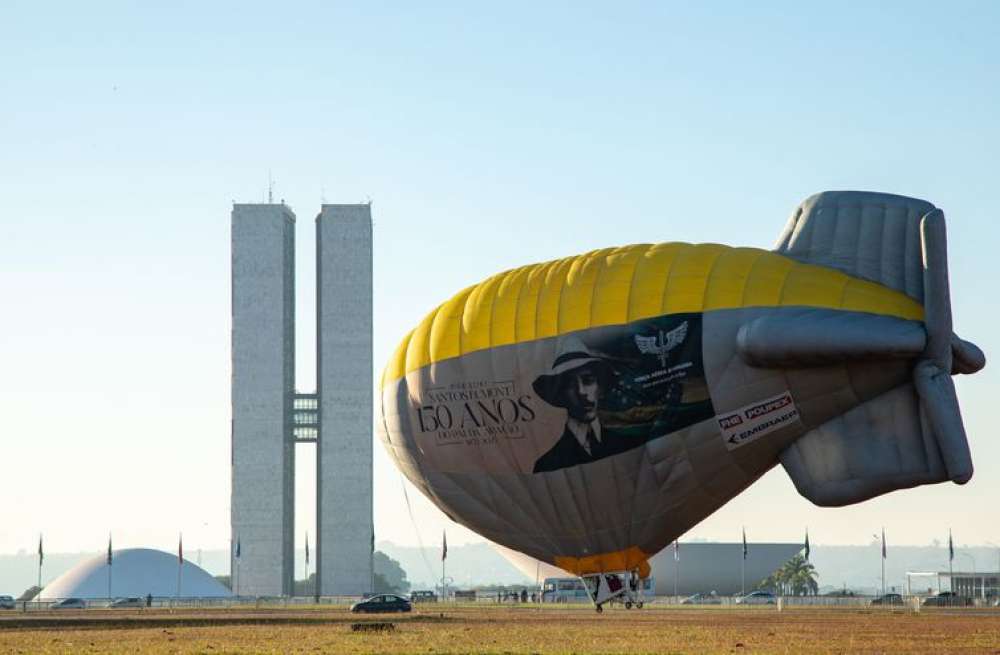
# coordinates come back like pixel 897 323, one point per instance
pixel 883 543
pixel 307 549
pixel 444 546
pixel 109 550
pixel 744 543
pixel 951 548
pixel 237 548
pixel 180 549
pixel 807 544
pixel 677 554
pixel 41 553
pixel 373 541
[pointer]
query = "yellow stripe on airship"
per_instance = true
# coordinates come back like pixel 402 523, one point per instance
pixel 614 286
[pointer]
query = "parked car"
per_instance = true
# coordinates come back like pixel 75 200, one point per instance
pixel 382 603
pixel 119 603
pixel 423 597
pixel 711 598
pixel 758 598
pixel 7 603
pixel 947 599
pixel 887 599
pixel 69 604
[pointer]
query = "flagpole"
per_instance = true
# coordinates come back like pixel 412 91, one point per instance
pixel 677 559
pixel 883 561
pixel 951 557
pixel 743 565
pixel 41 556
pixel 110 560
pixel 538 565
pixel 180 562
pixel 237 566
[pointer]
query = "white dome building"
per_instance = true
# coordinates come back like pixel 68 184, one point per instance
pixel 134 572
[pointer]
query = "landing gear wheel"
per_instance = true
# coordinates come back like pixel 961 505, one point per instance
pixel 639 605
pixel 628 604
pixel 599 609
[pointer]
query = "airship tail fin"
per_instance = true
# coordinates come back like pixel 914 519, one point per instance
pixel 914 434
pixel 874 236
pixel 875 448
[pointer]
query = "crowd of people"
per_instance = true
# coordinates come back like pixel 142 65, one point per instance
pixel 515 597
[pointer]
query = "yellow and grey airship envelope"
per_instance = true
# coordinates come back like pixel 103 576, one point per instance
pixel 589 410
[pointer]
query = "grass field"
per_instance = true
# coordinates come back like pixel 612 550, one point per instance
pixel 491 629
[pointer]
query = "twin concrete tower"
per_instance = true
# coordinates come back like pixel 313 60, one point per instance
pixel 270 417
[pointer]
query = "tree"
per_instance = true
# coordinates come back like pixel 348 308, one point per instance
pixel 800 577
pixel 390 578
pixel 305 587
pixel 796 577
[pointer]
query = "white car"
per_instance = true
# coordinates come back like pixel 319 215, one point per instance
pixel 710 598
pixel 758 598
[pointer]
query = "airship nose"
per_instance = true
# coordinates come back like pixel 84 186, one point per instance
pixel 967 357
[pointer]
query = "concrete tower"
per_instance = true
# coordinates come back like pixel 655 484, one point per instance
pixel 344 357
pixel 263 379
pixel 270 417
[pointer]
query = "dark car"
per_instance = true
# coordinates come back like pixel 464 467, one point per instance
pixel 423 597
pixel 947 599
pixel 119 603
pixel 888 599
pixel 7 603
pixel 382 603
pixel 69 604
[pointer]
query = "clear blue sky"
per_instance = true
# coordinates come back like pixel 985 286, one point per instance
pixel 487 137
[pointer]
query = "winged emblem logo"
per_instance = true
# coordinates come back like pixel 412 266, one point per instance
pixel 661 344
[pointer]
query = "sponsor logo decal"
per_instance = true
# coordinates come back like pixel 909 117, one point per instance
pixel 749 423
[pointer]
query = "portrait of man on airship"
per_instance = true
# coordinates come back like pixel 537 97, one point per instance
pixel 636 387
pixel 577 381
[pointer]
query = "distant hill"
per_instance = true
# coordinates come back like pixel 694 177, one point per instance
pixel 859 567
pixel 856 567
pixel 469 565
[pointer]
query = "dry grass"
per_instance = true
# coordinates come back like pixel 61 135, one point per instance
pixel 490 629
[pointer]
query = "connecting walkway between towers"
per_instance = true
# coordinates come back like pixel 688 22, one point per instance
pixel 305 417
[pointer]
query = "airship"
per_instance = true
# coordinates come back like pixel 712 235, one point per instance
pixel 589 410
